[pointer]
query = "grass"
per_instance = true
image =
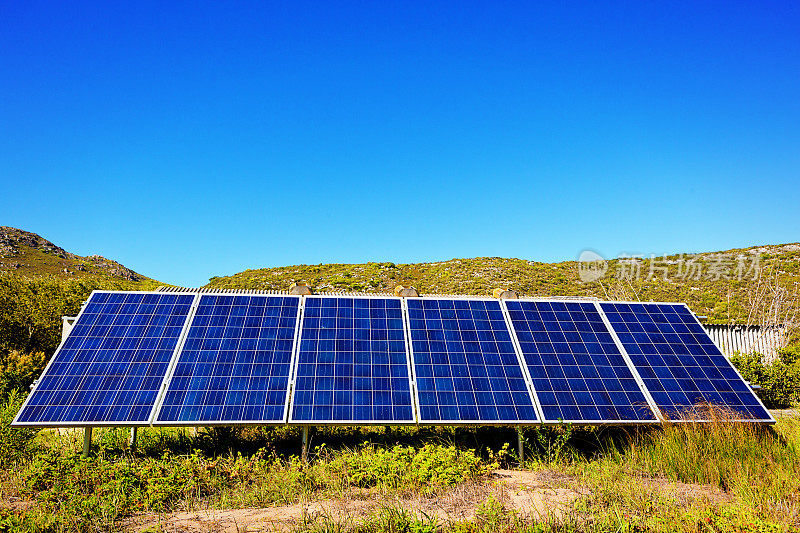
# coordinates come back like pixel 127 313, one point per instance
pixel 719 476
pixel 755 467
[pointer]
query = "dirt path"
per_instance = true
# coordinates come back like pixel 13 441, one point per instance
pixel 540 495
pixel 535 494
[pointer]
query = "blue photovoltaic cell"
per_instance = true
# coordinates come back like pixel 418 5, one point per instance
pixel 678 361
pixel 577 370
pixel 352 364
pixel 465 364
pixel 236 361
pixel 112 364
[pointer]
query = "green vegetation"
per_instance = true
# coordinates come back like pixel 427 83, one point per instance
pixel 756 468
pixel 684 477
pixel 718 292
pixel 171 470
pixel 779 379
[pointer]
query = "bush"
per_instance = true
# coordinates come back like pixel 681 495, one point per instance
pixel 91 494
pixel 18 370
pixel 779 380
pixel 14 442
pixel 405 467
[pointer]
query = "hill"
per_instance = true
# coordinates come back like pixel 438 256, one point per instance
pixel 28 254
pixel 39 283
pixel 757 284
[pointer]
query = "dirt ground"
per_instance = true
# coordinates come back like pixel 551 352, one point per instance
pixel 538 495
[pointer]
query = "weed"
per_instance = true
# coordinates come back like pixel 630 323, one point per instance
pixel 551 443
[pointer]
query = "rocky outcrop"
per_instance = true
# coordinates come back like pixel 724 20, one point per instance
pixel 15 255
pixel 113 268
pixel 12 238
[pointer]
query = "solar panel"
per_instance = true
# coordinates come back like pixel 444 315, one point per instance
pixel 577 371
pixel 352 363
pixel 679 363
pixel 110 368
pixel 235 364
pixel 465 364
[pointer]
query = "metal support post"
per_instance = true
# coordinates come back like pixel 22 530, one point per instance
pixel 304 452
pixel 132 439
pixel 87 440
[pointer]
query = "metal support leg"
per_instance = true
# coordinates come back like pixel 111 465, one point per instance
pixel 87 441
pixel 520 445
pixel 304 452
pixel 132 439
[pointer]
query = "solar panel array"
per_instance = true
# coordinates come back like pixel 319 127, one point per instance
pixel 111 366
pixel 679 363
pixel 466 367
pixel 352 364
pixel 136 358
pixel 577 371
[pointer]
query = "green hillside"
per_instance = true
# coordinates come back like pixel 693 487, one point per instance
pixel 27 254
pixel 709 282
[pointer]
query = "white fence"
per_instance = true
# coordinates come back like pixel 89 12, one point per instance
pixel 746 339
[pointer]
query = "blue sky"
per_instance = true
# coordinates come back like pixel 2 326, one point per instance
pixel 188 140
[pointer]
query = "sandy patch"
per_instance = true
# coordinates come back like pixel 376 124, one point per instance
pixel 533 494
pixel 540 495
pixel 685 493
pixel 16 504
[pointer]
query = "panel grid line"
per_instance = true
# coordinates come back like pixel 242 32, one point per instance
pixel 293 366
pixel 521 360
pixel 412 379
pixel 352 364
pixel 174 361
pixel 630 364
pixel 235 365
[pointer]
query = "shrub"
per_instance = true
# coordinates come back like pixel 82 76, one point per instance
pixel 19 369
pixel 431 466
pixel 551 444
pixel 14 442
pixel 779 380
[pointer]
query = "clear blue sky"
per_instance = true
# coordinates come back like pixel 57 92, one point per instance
pixel 188 140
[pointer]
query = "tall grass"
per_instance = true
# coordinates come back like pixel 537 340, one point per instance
pixel 720 452
pixel 757 465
